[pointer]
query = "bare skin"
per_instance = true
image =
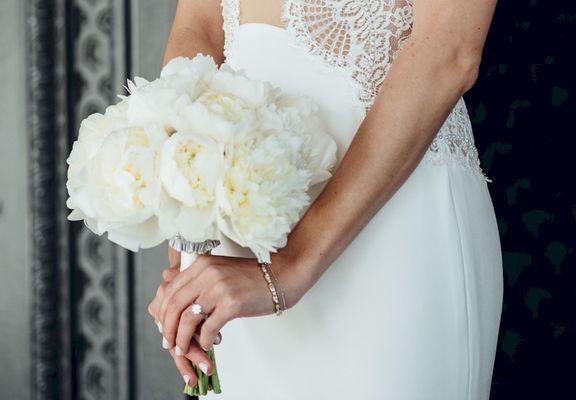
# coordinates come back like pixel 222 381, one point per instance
pixel 438 64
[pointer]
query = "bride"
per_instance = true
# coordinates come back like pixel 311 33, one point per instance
pixel 393 277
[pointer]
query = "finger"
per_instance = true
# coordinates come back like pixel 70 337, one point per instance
pixel 181 306
pixel 169 274
pixel 173 257
pixel 212 326
pixel 189 322
pixel 181 280
pixel 199 358
pixel 154 306
pixel 185 368
pixel 217 340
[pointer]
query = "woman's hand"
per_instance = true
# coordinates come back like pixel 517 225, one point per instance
pixel 195 354
pixel 226 288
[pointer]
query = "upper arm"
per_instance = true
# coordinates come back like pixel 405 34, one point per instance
pixel 197 27
pixel 460 23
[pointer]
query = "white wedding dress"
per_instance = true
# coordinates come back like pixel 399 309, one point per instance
pixel 411 309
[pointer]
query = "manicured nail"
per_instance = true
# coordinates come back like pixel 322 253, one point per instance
pixel 159 327
pixel 179 351
pixel 186 378
pixel 165 343
pixel 203 367
pixel 217 339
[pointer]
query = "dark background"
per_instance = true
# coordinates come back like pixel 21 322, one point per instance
pixel 523 109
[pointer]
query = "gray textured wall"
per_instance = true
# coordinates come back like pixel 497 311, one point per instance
pixel 153 374
pixel 14 264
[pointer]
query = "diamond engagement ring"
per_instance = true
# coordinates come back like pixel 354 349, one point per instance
pixel 196 309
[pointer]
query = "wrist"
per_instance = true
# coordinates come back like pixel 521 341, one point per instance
pixel 295 275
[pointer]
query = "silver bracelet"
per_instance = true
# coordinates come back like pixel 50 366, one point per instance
pixel 265 267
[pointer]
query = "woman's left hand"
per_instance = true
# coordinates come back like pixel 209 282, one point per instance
pixel 225 288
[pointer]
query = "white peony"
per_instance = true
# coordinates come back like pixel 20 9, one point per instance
pixel 229 106
pixel 191 166
pixel 191 69
pixel 117 190
pixel 262 194
pixel 218 116
pixel 301 117
pixel 161 101
pixel 236 84
pixel 93 130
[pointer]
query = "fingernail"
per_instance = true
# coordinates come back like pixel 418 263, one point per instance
pixel 217 339
pixel 165 344
pixel 159 327
pixel 186 378
pixel 203 367
pixel 179 351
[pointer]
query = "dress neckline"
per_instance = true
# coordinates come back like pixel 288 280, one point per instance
pixel 269 26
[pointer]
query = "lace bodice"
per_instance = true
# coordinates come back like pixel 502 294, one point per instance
pixel 362 38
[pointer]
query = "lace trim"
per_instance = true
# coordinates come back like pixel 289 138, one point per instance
pixel 231 22
pixel 454 143
pixel 362 38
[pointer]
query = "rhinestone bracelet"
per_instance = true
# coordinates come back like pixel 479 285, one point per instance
pixel 264 267
pixel 278 287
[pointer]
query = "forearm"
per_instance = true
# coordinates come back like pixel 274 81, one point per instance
pixel 420 90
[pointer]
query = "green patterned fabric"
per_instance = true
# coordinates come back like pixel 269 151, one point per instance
pixel 523 111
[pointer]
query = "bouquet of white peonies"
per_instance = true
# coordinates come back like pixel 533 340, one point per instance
pixel 199 153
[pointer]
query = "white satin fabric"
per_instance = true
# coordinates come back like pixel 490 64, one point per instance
pixel 409 311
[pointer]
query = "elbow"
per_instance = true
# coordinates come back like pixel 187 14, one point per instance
pixel 467 67
pixel 453 53
pixel 456 66
pixel 455 61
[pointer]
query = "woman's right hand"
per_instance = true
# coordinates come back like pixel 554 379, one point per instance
pixel 194 354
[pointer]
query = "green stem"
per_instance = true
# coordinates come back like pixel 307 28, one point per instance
pixel 214 377
pixel 201 388
pixel 205 383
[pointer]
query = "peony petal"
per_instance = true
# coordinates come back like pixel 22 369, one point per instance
pixel 133 237
pixel 76 215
